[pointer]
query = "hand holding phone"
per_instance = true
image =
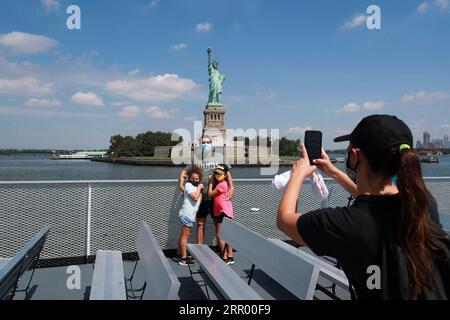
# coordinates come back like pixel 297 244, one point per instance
pixel 313 145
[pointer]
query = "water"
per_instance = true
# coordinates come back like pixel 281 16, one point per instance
pixel 39 167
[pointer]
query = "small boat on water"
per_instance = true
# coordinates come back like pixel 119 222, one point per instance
pixel 337 160
pixel 81 155
pixel 429 157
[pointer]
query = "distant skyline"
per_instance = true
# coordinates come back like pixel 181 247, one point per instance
pixel 141 65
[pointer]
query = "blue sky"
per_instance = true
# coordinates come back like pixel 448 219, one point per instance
pixel 292 65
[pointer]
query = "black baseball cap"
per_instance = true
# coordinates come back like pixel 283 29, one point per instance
pixel 378 133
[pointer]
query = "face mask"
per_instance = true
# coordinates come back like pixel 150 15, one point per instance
pixel 219 177
pixel 350 172
pixel 206 148
pixel 194 183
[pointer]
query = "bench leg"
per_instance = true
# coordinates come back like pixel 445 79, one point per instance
pixel 192 277
pixel 32 274
pixel 134 269
pixel 193 282
pixel 143 290
pixel 251 274
pixel 326 292
pixel 34 268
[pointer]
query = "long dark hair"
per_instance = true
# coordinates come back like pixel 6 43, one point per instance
pixel 417 236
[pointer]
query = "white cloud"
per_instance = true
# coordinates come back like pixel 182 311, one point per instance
pixel 36 112
pixel 372 106
pixel 203 26
pixel 157 113
pixel 25 86
pixel 87 99
pixel 43 103
pixel 268 94
pixel 351 107
pixel 298 130
pixel 134 72
pixel 158 88
pixel 129 112
pixel 179 46
pixel 120 104
pixel 425 6
pixel 50 5
pixel 190 119
pixel 442 4
pixel 25 43
pixel 445 126
pixel 426 97
pixel 354 107
pixel 357 21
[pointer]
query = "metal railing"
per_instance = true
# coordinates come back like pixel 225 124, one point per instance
pixel 85 216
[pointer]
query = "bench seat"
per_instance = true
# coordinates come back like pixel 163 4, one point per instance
pixel 108 281
pixel 225 279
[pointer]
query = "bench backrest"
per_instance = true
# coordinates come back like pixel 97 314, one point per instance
pixel 14 268
pixel 162 282
pixel 294 273
pixel 445 221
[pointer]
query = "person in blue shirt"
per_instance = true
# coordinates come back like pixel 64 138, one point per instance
pixel 192 198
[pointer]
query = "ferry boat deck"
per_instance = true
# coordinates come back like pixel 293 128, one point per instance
pixel 86 216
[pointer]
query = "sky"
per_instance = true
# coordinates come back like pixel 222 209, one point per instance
pixel 293 65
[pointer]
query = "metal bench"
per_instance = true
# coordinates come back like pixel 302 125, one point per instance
pixel 11 269
pixel 108 281
pixel 230 285
pixel 292 271
pixel 445 221
pixel 160 279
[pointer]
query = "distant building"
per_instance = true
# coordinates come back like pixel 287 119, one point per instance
pixel 445 146
pixel 426 140
pixel 438 143
pixel 418 144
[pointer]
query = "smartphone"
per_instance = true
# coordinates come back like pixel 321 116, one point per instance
pixel 313 144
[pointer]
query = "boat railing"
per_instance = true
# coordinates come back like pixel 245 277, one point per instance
pixel 85 216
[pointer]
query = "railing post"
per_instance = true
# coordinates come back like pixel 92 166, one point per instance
pixel 88 225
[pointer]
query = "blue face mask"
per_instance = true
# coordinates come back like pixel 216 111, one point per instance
pixel 206 148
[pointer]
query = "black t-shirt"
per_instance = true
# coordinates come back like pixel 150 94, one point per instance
pixel 353 235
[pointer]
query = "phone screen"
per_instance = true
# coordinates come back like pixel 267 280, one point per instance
pixel 313 144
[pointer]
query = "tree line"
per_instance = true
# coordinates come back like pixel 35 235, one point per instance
pixel 143 145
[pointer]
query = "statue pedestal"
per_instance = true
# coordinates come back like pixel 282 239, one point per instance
pixel 214 123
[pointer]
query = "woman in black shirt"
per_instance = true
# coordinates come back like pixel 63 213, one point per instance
pixel 392 207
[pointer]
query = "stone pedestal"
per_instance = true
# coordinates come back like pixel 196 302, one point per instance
pixel 214 123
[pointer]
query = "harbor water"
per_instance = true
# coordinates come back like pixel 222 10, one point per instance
pixel 40 167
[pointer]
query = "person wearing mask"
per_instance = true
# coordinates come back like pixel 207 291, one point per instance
pixel 393 223
pixel 208 164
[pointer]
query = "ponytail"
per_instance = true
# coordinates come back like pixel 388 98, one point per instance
pixel 416 234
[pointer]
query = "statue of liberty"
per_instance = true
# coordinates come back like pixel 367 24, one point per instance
pixel 215 81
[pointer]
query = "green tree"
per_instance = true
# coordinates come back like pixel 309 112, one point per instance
pixel 142 146
pixel 289 148
pixel 123 147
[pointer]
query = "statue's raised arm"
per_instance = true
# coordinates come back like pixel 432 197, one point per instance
pixel 215 81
